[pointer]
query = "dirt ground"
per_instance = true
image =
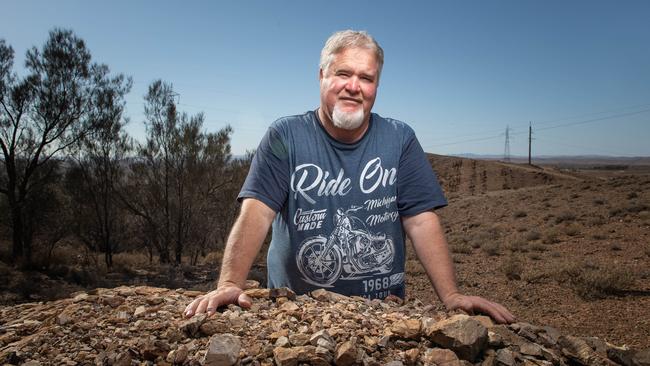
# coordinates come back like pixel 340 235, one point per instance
pixel 573 254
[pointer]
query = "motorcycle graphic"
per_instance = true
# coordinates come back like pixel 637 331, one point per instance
pixel 350 250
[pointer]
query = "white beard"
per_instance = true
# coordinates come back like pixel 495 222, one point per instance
pixel 347 121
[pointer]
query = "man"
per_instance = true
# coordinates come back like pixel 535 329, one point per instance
pixel 341 186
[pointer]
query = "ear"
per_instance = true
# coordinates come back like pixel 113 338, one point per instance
pixel 320 74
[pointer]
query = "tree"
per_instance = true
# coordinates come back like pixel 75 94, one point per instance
pixel 98 170
pixel 178 169
pixel 42 116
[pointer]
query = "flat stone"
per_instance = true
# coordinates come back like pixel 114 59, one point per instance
pixel 411 356
pixel 192 325
pixel 275 293
pixel 289 306
pixel 346 354
pixel 258 293
pixel 409 328
pixel 112 301
pixel 223 350
pixel 460 333
pixel 642 358
pixel 140 311
pixel 441 357
pixel 505 357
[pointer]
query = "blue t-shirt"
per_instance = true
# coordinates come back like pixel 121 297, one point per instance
pixel 339 205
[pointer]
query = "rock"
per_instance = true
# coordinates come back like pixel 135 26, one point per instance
pixel 578 350
pixel 258 293
pixel 622 356
pixel 112 301
pixel 223 350
pixel 408 329
pixel 282 342
pixel 642 358
pixel 299 339
pixel 411 356
pixel 291 356
pixel 321 334
pixel 321 295
pixel 64 318
pixel 140 311
pixel 192 325
pixel 460 333
pixel 289 306
pixel 505 357
pixel 275 293
pixel 346 354
pixel 485 320
pixel 441 357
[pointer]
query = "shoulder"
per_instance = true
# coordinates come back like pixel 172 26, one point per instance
pixel 394 127
pixel 284 125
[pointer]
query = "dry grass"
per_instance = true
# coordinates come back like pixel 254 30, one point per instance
pixel 551 237
pixel 512 267
pixel 591 282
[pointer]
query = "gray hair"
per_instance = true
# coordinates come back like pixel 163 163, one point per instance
pixel 342 40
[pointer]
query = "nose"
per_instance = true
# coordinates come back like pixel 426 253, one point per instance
pixel 353 86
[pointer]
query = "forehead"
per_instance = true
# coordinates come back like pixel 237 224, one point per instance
pixel 362 59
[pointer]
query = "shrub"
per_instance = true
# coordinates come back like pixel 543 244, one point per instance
pixel 519 214
pixel 533 235
pixel 599 237
pixel 512 268
pixel 518 245
pixel 572 230
pixel 461 248
pixel 535 256
pixel 565 217
pixel 591 282
pixel 491 248
pixel 632 195
pixel 538 248
pixel 599 202
pixel 615 247
pixel 551 237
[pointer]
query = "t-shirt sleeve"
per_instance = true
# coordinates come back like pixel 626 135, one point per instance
pixel 418 189
pixel 268 177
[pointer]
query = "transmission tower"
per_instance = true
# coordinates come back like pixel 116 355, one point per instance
pixel 506 150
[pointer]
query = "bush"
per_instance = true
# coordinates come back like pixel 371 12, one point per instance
pixel 491 248
pixel 615 247
pixel 572 230
pixel 518 245
pixel 551 237
pixel 565 217
pixel 599 202
pixel 533 235
pixel 591 282
pixel 519 214
pixel 512 268
pixel 461 248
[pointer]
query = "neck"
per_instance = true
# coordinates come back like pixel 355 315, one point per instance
pixel 341 134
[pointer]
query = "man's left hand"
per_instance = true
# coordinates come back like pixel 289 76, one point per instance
pixel 476 304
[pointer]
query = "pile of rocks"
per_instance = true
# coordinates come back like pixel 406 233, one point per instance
pixel 143 325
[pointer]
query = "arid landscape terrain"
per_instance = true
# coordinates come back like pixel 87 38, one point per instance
pixel 562 247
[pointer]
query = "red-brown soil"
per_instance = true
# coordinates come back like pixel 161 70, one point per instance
pixel 547 229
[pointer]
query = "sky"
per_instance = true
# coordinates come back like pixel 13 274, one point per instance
pixel 458 72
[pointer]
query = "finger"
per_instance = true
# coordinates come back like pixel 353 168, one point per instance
pixel 202 305
pixel 191 308
pixel 244 301
pixel 504 312
pixel 212 305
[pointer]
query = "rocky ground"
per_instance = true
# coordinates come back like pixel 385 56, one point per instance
pixel 143 326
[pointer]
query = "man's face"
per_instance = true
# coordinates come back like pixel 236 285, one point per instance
pixel 349 86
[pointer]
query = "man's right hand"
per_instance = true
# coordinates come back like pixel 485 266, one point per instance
pixel 224 295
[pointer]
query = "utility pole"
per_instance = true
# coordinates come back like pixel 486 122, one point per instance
pixel 506 150
pixel 530 140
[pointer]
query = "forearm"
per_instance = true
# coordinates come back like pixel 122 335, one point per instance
pixel 244 242
pixel 427 236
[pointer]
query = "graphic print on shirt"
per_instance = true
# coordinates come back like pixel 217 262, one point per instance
pixel 350 251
